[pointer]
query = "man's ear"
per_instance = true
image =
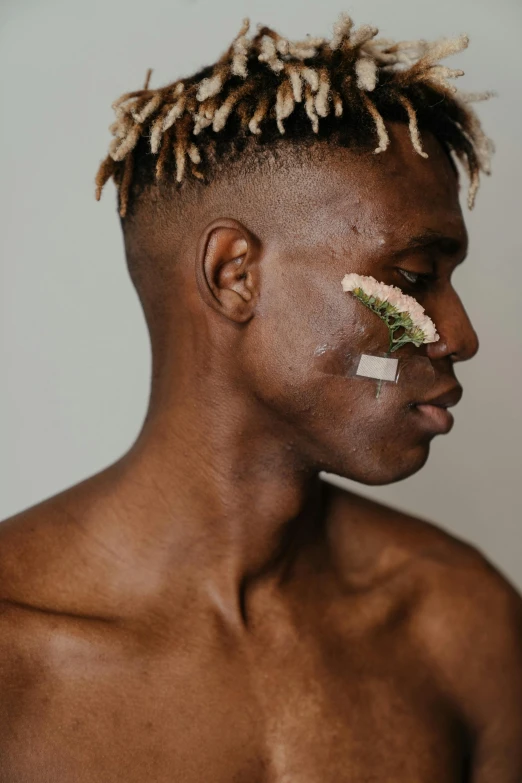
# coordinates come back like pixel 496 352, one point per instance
pixel 227 269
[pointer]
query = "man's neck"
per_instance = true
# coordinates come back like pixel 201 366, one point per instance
pixel 218 493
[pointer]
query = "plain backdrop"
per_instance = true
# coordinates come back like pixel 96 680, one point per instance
pixel 74 352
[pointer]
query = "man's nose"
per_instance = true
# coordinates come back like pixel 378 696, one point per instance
pixel 458 338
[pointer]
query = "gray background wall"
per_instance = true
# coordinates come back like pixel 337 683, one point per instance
pixel 74 354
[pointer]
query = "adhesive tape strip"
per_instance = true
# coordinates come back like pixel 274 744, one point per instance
pixel 379 367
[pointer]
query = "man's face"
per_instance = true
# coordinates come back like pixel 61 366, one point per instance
pixel 396 217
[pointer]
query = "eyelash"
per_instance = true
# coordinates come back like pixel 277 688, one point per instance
pixel 421 281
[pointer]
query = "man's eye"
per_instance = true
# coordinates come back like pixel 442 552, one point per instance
pixel 411 277
pixel 416 278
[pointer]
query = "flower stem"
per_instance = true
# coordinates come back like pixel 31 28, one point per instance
pixel 379 385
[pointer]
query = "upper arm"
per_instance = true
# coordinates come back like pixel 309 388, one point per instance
pixel 496 703
pixel 471 630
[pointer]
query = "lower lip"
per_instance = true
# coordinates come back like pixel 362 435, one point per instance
pixel 435 418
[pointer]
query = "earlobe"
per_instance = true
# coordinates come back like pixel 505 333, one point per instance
pixel 227 269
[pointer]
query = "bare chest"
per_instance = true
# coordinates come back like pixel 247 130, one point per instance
pixel 80 707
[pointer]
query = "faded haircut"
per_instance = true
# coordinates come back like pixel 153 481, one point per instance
pixel 266 89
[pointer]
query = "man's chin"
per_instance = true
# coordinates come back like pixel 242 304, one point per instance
pixel 387 470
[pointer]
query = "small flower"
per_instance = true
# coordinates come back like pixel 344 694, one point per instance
pixel 397 309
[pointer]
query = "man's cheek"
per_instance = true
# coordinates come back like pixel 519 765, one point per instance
pixel 360 357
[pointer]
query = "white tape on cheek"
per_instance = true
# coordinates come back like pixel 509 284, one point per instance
pixel 378 367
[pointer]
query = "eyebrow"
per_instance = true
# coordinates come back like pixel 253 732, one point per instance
pixel 449 245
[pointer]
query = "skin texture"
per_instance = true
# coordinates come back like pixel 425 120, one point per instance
pixel 208 608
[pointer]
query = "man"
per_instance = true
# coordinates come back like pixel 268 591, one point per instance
pixel 208 608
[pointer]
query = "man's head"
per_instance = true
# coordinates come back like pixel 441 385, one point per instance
pixel 239 265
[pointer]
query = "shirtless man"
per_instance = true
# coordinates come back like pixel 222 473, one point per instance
pixel 208 609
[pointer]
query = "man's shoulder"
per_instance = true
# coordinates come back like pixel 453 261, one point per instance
pixel 468 627
pixel 448 570
pixel 402 540
pixel 49 558
pixel 36 545
pixel 29 540
pixel 467 616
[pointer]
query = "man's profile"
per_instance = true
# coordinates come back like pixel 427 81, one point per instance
pixel 208 608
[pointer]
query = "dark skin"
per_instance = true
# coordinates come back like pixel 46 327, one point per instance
pixel 208 608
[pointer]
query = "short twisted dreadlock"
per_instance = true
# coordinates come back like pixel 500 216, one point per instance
pixel 267 87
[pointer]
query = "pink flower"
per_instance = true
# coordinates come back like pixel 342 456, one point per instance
pixel 400 301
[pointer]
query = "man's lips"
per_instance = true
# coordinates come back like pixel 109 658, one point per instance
pixel 433 414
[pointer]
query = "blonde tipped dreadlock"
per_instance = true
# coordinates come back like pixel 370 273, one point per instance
pixel 262 83
pixel 414 130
